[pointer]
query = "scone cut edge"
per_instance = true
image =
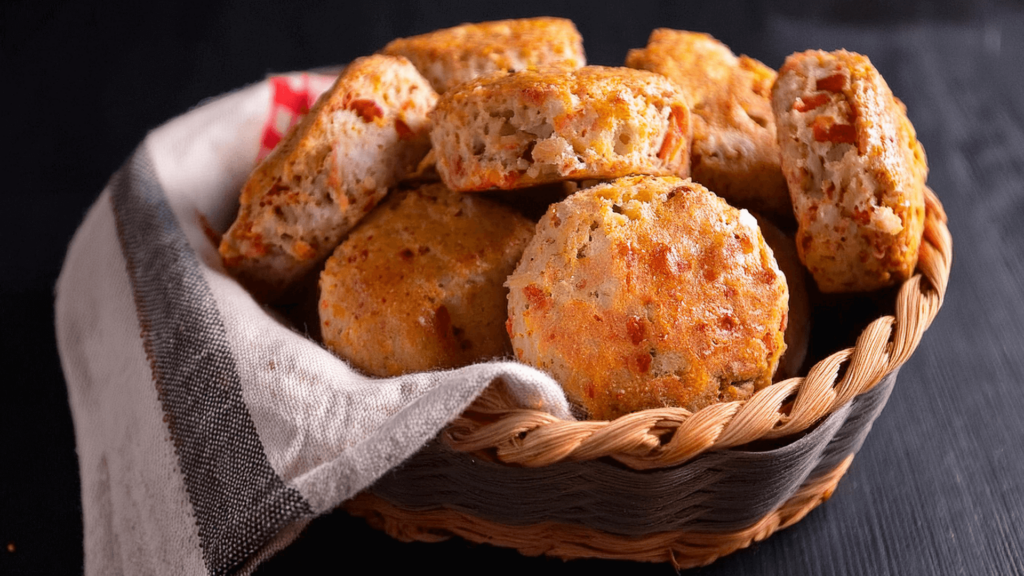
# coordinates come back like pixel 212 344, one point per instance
pixel 513 130
pixel 855 169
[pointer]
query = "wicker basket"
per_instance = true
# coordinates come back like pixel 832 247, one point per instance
pixel 661 485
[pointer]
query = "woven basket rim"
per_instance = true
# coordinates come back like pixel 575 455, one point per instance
pixel 655 438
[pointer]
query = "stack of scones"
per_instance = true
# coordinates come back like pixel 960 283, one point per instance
pixel 410 192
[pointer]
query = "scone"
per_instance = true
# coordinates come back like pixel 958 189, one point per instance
pixel 646 292
pixel 512 130
pixel 798 324
pixel 418 285
pixel 362 135
pixel 855 169
pixel 734 153
pixel 452 56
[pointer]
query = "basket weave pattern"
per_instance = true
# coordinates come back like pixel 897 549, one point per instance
pixel 682 548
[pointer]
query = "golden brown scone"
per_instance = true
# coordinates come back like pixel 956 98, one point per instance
pixel 734 153
pixel 418 285
pixel 452 56
pixel 526 128
pixel 646 292
pixel 855 170
pixel 798 325
pixel 362 136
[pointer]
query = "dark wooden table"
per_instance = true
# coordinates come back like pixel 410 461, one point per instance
pixel 938 487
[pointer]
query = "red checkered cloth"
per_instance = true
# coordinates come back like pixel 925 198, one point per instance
pixel 293 96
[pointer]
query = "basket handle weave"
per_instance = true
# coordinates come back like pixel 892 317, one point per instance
pixel 664 437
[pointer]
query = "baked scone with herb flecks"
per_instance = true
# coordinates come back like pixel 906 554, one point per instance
pixel 855 169
pixel 512 130
pixel 419 284
pixel 734 153
pixel 360 138
pixel 455 55
pixel 646 292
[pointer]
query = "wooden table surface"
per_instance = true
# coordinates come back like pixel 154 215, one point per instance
pixel 938 487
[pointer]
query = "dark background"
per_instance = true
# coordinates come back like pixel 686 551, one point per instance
pixel 938 485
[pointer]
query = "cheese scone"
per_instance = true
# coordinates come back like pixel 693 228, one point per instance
pixel 645 292
pixel 418 285
pixel 512 130
pixel 734 153
pixel 855 169
pixel 455 55
pixel 360 138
